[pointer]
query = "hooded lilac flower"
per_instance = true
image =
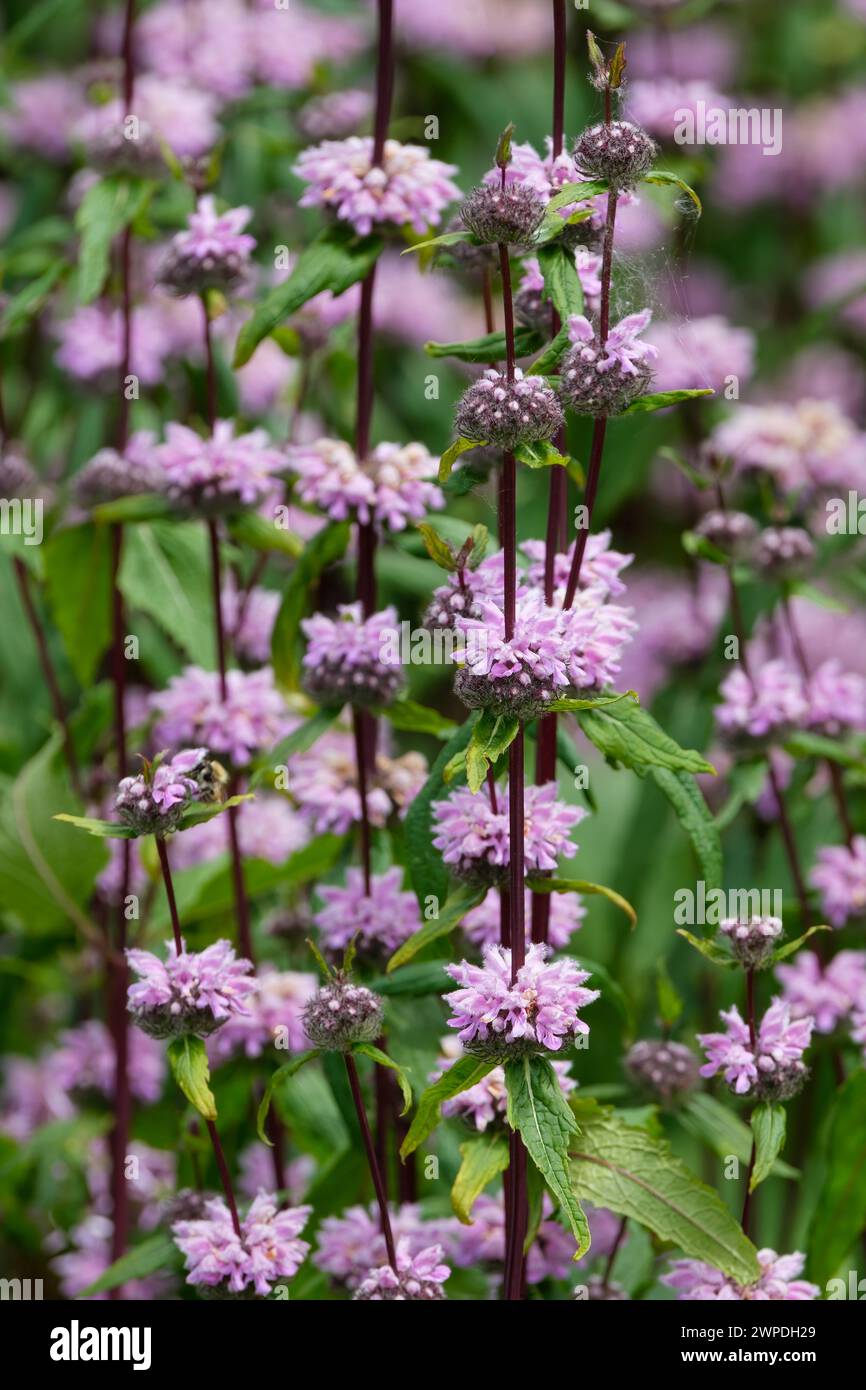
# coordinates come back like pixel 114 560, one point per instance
pixel 290 43
pixel 272 1016
pixel 191 992
pixel 771 1070
pixel 268 828
pixel 602 379
pixel 659 105
pixel 350 1244
pixel 350 658
pixel 182 116
pixel 481 925
pixel 90 1257
pixel 538 1012
pixel 778 1283
pixel 486 1101
pixel 91 343
pixel 703 352
pixel 390 488
pixel 221 473
pixel 253 716
pixel 840 877
pixel 84 1061
pixel 784 552
pixel 153 801
pixel 478 29
pixel 330 478
pixel 41 111
pixel 382 919
pixel 474 839
pixel 206 43
pixel 409 189
pixel 676 623
pixel 418 1278
pixel 826 993
pixel 600 570
pixel 267 1252
pixel 212 252
pixel 335 115
pixel 766 704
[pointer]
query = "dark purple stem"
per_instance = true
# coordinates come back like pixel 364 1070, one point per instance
pixel 162 851
pixel 225 1176
pixel 375 1170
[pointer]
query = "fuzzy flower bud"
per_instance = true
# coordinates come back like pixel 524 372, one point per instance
pixel 110 475
pixel 495 410
pixel 347 658
pixel 153 802
pixel 731 532
pixel 509 216
pixel 603 378
pixel 784 551
pixel 16 476
pixel 667 1069
pixel 753 942
pixel 619 152
pixel 342 1014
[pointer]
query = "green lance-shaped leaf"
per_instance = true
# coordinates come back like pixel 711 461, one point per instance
pixel 583 885
pixel 662 176
pixel 298 741
pixel 20 308
pixel 840 1212
pixel 719 1127
pixel 461 901
pixel 768 1127
pixel 482 1159
pixel 323 550
pixel 466 1072
pixel 336 260
pixel 439 550
pixel 491 736
pixel 661 400
pixel 540 454
pixel 102 829
pixel 539 1110
pixel 383 1060
pixel 281 1074
pixel 411 717
pixel 252 529
pixel 561 280
pixel 548 361
pixel 187 1058
pixel 695 817
pixel 106 208
pixel 627 733
pixel 429 875
pixel 789 948
pixel 153 1256
pixel 77 564
pixel 424 978
pixel 808 745
pixel 709 949
pixel 444 239
pixel 626 1169
pixel 491 347
pixel 453 452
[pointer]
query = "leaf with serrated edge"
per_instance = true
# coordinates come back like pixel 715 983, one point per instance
pixel 625 1169
pixel 456 907
pixel 465 1073
pixel 383 1060
pixel 628 734
pixel 483 1158
pixel 539 1110
pixel 281 1074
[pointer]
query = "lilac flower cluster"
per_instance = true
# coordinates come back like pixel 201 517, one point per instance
pixel 408 189
pixel 272 1016
pixel 418 1278
pixel 219 474
pixel 251 718
pixel 348 658
pixel 840 877
pixel 487 1101
pixel 351 1244
pixel 481 924
pixel 324 784
pixel 604 378
pixel 381 919
pixel 211 253
pixel 539 1011
pixel 695 1280
pixel 222 1264
pixel 826 993
pixel 777 698
pixel 190 992
pixel 390 488
pixel 771 1067
pixel 474 839
pixel 153 802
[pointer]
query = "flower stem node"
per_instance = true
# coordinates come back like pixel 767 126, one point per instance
pixel 343 1014
pixel 508 216
pixel 753 942
pixel 731 532
pixel 508 413
pixel 619 152
pixel 784 552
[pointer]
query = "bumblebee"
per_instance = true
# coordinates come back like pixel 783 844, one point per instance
pixel 212 780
